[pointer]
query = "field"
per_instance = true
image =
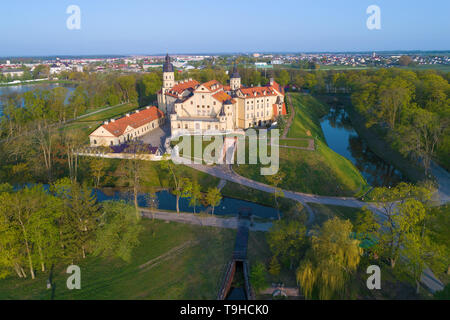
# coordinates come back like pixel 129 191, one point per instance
pixel 321 171
pixel 186 266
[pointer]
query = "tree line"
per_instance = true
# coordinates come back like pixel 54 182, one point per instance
pixel 41 228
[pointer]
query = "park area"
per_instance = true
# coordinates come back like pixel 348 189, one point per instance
pixel 320 171
pixel 186 266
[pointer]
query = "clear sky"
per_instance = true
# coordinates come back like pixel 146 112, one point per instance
pixel 197 26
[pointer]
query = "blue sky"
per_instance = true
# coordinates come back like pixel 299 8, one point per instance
pixel 148 27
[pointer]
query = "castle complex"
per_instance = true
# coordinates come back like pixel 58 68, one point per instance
pixel 212 107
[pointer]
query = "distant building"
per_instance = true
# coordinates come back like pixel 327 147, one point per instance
pixel 13 73
pixel 130 127
pixel 151 66
pixel 77 68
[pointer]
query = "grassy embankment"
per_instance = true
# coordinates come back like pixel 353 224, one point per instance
pixel 186 266
pixel 88 124
pixel 321 171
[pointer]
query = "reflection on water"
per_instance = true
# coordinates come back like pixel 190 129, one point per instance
pixel 167 201
pixel 343 139
pixel 8 91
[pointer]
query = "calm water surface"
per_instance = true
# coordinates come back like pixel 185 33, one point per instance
pixel 343 139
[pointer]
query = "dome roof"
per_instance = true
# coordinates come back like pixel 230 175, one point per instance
pixel 167 66
pixel 235 74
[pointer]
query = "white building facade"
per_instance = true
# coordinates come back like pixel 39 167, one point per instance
pixel 211 107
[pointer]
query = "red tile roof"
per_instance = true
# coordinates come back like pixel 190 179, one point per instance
pixel 180 87
pixel 250 92
pixel 135 120
pixel 222 96
pixel 211 83
pixel 277 87
pixel 275 110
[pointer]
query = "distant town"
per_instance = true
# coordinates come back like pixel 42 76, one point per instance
pixel 15 70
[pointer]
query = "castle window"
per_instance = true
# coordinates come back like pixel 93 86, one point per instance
pixel 185 126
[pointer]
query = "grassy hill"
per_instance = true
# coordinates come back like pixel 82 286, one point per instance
pixel 321 171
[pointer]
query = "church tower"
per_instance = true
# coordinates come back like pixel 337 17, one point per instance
pixel 235 80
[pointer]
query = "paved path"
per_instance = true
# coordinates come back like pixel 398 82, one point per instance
pixel 291 117
pixel 221 184
pixel 190 218
pixel 443 179
pixel 226 173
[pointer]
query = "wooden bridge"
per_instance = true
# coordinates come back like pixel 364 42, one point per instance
pixel 238 260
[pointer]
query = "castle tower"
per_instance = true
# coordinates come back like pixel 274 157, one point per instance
pixel 168 74
pixel 168 83
pixel 235 80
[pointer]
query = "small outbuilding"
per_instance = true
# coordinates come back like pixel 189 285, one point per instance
pixel 130 127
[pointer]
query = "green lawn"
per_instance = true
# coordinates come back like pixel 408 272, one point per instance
pixel 324 212
pixel 192 271
pixel 238 191
pixel 322 171
pixel 88 124
pixel 303 143
pixel 115 112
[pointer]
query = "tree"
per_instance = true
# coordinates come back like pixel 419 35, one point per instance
pixel 394 96
pixel 444 294
pixel 196 195
pixel 421 135
pixel 283 78
pixel 287 240
pixel 78 101
pixel 118 231
pixel 274 268
pixel 98 168
pixel 276 180
pixel 258 277
pixel 72 140
pixel 149 85
pixel 299 81
pixel 213 198
pixel 333 256
pixel 134 173
pixel 167 164
pixel 365 223
pixel 401 206
pixel 404 61
pixel 78 221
